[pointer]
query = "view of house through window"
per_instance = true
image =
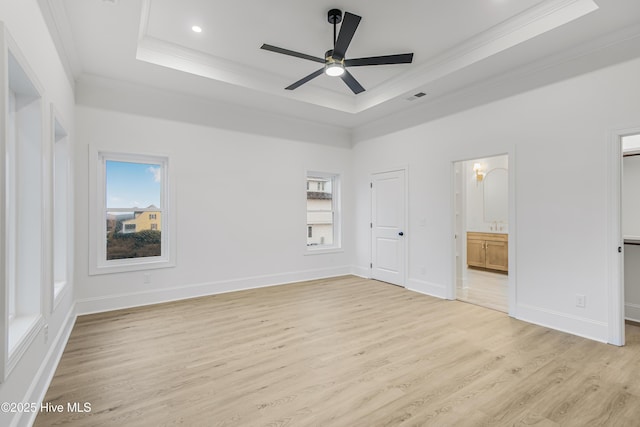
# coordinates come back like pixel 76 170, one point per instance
pixel 321 211
pixel 133 213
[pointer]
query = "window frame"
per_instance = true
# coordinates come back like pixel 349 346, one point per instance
pixel 24 153
pixel 62 210
pixel 336 194
pixel 11 179
pixel 98 263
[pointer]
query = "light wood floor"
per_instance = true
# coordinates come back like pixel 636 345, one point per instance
pixel 338 352
pixel 485 288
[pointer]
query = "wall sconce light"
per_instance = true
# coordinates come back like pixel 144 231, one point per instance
pixel 477 168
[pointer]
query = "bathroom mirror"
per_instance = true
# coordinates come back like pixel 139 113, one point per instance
pixel 496 195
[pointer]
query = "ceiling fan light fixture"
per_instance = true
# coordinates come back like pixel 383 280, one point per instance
pixel 334 69
pixel 334 62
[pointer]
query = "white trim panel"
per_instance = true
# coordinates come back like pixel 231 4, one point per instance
pixel 427 288
pixel 360 271
pixel 576 325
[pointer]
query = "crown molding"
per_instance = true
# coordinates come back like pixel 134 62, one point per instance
pixel 155 51
pixel 616 47
pixel 520 28
pixel 137 99
pixel 160 52
pixel 55 16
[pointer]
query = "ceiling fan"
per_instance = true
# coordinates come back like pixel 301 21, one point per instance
pixel 334 59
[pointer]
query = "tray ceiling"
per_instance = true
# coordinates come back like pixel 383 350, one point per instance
pixel 152 42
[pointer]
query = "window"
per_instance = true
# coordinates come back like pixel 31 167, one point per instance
pixel 23 180
pixel 131 225
pixel 323 224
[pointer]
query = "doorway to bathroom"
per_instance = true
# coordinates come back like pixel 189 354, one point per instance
pixel 481 206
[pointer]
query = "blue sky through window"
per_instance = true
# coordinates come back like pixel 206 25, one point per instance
pixel 133 184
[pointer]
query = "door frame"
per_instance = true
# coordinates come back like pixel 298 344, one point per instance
pixel 512 274
pixel 615 239
pixel 405 241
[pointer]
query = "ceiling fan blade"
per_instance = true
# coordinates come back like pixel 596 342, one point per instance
pixel 291 53
pixel 347 30
pixel 305 79
pixel 403 58
pixel 352 82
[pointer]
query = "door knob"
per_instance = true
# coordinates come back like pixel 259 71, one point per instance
pixel 401 233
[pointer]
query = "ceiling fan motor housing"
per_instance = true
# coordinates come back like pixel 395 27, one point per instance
pixel 328 56
pixel 334 16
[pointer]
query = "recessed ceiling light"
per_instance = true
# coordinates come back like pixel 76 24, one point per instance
pixel 196 29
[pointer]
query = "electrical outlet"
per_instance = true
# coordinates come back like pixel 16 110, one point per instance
pixel 580 300
pixel 147 277
pixel 46 333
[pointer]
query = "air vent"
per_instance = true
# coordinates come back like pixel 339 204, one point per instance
pixel 416 96
pixel 110 1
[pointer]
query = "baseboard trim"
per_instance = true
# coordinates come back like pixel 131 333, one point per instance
pixel 575 325
pixel 428 288
pixel 137 299
pixel 632 312
pixel 363 272
pixel 41 381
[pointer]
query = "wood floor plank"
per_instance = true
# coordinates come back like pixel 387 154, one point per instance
pixel 338 352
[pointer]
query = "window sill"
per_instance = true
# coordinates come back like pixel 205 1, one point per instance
pixel 321 251
pixel 126 267
pixel 59 291
pixel 22 332
pixel 58 287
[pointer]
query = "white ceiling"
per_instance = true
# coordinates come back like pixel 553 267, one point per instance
pixel 456 43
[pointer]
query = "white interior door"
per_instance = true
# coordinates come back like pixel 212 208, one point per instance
pixel 388 200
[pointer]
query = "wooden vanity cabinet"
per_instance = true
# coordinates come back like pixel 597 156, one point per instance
pixel 488 250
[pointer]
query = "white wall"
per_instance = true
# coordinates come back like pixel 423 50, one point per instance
pixel 241 215
pixel 29 379
pixel 558 138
